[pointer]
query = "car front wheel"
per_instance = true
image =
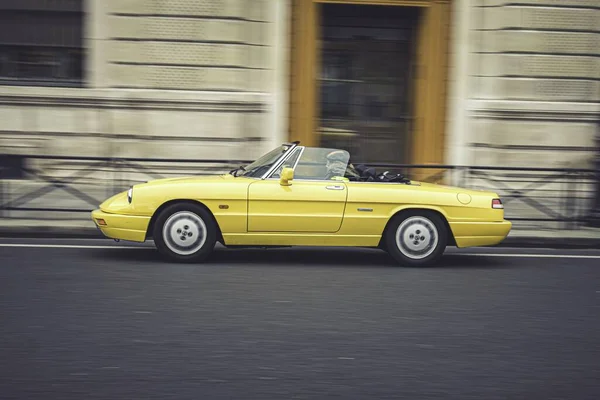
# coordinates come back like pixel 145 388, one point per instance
pixel 416 238
pixel 185 232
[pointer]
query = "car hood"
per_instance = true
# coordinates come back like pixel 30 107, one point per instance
pixel 187 179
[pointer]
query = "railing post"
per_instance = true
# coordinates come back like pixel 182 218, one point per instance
pixel 594 214
pixel 110 181
pixel 593 219
pixel 569 202
pixel 465 171
pixel 580 201
pixel 115 169
pixel 564 211
pixel 118 171
pixel 1 192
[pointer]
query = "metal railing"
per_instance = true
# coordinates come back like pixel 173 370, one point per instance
pixel 112 175
pixel 561 197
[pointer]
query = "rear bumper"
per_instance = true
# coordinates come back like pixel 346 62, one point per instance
pixel 123 227
pixel 472 234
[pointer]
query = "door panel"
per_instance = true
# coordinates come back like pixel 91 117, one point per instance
pixel 305 206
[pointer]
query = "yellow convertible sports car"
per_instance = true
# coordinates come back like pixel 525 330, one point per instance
pixel 303 196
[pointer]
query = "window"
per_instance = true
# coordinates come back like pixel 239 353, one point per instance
pixel 41 42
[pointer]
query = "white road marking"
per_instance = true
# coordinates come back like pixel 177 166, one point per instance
pixel 527 255
pixel 70 246
pixel 515 255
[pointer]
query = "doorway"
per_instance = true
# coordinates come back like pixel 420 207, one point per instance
pixel 343 92
pixel 365 82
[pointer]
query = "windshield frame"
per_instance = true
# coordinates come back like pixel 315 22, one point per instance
pixel 285 154
pixel 302 150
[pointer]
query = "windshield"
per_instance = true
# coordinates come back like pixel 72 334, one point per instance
pixel 262 165
pixel 316 163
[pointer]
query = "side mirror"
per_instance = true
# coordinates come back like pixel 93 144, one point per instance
pixel 287 174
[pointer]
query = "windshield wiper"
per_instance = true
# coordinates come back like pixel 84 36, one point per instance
pixel 236 170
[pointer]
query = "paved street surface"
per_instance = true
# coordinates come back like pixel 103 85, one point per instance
pixel 83 321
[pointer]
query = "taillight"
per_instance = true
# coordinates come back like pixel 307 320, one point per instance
pixel 497 203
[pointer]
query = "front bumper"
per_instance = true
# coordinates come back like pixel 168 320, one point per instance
pixel 123 227
pixel 472 234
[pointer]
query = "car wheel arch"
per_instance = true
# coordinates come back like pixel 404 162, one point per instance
pixel 166 204
pixel 406 210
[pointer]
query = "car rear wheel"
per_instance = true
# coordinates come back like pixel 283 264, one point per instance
pixel 417 238
pixel 185 232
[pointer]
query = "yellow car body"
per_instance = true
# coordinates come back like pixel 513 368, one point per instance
pixel 274 211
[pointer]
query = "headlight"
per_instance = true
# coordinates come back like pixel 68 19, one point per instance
pixel 130 194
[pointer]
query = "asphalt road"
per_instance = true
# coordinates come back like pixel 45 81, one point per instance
pixel 117 323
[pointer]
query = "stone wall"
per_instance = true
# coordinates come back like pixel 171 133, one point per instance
pixel 164 79
pixel 533 82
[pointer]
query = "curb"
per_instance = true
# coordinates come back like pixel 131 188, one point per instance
pixel 79 232
pixel 46 232
pixel 550 242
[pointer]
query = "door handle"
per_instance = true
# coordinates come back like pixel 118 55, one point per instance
pixel 334 187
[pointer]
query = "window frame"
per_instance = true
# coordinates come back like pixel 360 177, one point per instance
pixel 54 54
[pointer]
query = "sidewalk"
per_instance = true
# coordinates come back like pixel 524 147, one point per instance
pixel 82 229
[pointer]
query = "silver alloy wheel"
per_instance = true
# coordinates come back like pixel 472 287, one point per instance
pixel 184 233
pixel 416 237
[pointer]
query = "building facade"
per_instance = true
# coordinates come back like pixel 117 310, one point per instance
pixel 143 78
pixel 469 82
pixel 526 83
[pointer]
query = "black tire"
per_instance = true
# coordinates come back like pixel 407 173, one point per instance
pixel 195 225
pixel 423 238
